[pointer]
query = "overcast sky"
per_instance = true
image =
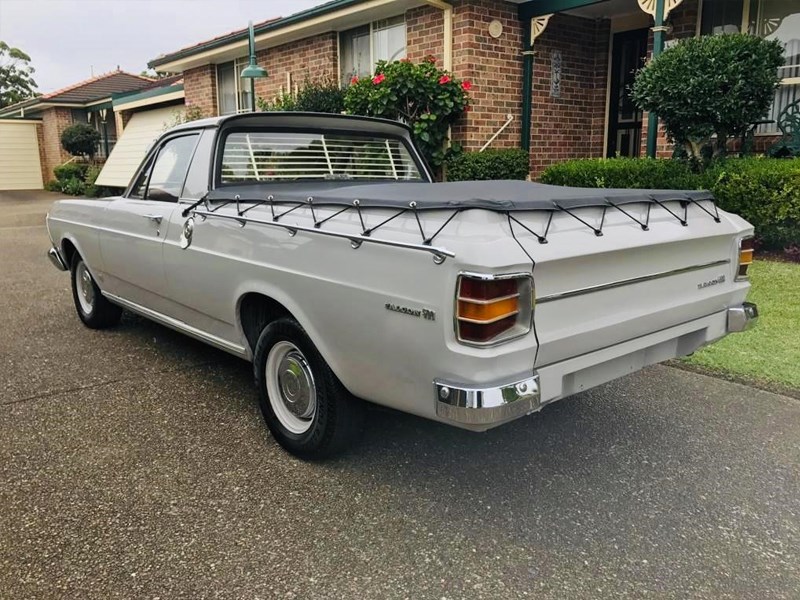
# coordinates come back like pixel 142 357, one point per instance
pixel 67 40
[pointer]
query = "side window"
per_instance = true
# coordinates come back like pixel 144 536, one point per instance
pixel 169 170
pixel 197 180
pixel 140 187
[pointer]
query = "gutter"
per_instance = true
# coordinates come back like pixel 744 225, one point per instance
pixel 527 87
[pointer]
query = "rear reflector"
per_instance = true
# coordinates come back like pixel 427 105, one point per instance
pixel 746 246
pixel 491 309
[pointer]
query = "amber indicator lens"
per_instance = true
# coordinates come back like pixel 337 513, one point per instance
pixel 487 308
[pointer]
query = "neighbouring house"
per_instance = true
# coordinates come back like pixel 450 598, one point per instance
pixel 141 117
pixel 30 131
pixel 555 71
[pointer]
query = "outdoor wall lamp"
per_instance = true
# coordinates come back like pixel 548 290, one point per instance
pixel 253 71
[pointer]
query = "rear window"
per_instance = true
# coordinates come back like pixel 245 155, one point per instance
pixel 250 157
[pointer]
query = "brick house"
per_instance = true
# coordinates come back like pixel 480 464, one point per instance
pixel 555 70
pixel 88 101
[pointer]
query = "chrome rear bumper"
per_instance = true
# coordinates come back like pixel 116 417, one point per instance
pixel 742 318
pixel 487 405
pixel 56 259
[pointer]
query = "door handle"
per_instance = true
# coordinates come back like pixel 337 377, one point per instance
pixel 155 218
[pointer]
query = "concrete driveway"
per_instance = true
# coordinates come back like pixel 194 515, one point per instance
pixel 134 464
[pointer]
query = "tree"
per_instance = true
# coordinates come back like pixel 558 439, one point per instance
pixel 16 75
pixel 80 140
pixel 716 84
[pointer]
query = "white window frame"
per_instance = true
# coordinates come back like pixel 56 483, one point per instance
pixel 745 27
pixel 238 64
pixel 371 41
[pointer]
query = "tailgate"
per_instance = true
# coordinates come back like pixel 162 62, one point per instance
pixel 602 278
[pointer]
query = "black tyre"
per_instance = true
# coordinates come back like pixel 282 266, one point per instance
pixel 93 308
pixel 307 409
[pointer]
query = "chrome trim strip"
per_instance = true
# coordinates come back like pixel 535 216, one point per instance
pixel 474 405
pixel 180 326
pixel 356 239
pixel 632 280
pixel 484 302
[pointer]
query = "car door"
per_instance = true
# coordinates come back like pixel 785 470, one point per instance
pixel 136 224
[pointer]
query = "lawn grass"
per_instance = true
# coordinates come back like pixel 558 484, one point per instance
pixel 770 352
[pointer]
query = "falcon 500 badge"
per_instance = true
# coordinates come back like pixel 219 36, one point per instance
pixel 424 313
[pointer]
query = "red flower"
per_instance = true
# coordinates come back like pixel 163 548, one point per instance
pixel 444 79
pixel 378 78
pixel 430 58
pixel 354 80
pixel 466 85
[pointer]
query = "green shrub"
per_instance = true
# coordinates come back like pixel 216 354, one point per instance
pixel 764 191
pixel 323 96
pixel 53 186
pixel 80 140
pixel 73 186
pixel 92 190
pixel 639 173
pixel 712 84
pixel 71 170
pixel 509 163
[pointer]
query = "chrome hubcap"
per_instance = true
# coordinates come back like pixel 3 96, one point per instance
pixel 83 281
pixel 290 387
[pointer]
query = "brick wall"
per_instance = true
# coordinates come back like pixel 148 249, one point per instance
pixel 200 89
pixel 494 66
pixel 425 34
pixel 314 58
pixel 46 176
pixel 54 122
pixel 572 125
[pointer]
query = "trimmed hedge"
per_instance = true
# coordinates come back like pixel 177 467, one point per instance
pixel 764 191
pixel 489 164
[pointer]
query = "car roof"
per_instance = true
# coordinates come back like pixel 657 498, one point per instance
pixel 300 120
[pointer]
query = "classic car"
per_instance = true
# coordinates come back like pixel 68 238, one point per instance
pixel 319 248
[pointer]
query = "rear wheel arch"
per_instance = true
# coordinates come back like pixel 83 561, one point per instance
pixel 255 311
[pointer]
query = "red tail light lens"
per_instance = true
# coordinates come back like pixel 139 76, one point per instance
pixel 491 309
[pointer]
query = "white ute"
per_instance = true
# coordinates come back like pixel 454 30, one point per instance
pixel 317 247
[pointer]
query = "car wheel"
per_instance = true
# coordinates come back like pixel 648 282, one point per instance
pixel 93 308
pixel 305 406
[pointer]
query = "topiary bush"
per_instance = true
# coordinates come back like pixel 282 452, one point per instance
pixel 508 163
pixel 80 140
pixel 713 84
pixel 425 97
pixel 764 191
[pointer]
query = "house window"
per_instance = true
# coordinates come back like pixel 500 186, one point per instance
pixel 361 48
pixel 233 92
pixel 770 19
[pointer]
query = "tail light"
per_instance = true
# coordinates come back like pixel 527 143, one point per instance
pixel 493 308
pixel 746 246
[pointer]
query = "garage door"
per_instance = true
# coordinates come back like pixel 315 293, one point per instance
pixel 20 168
pixel 137 137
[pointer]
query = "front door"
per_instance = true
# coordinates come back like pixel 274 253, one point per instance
pixel 131 242
pixel 624 118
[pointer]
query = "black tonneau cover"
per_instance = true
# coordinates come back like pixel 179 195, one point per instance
pixel 490 195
